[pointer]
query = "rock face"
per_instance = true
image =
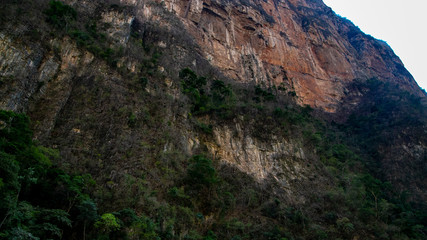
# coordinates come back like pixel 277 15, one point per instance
pixel 43 81
pixel 300 45
pixel 297 45
pixel 109 96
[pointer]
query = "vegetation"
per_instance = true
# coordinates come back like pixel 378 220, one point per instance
pixel 385 107
pixel 219 99
pixel 358 199
pixel 59 14
pixel 148 181
pixel 24 167
pixel 63 17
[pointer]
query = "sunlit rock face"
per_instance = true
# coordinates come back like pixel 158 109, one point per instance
pixel 78 103
pixel 300 45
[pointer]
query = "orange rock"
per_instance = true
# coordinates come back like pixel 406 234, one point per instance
pixel 317 52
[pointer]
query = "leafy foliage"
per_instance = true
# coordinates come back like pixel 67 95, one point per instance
pixel 24 165
pixel 201 172
pixel 219 99
pixel 168 197
pixel 107 223
pixel 263 94
pixel 59 14
pixel 385 107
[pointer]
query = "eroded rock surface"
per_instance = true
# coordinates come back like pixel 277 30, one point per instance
pixel 300 45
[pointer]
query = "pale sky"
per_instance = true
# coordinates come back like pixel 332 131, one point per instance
pixel 401 23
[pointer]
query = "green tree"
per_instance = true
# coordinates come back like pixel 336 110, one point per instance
pixel 107 223
pixel 87 214
pixel 201 172
pixel 59 14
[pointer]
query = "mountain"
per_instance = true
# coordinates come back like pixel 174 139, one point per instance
pixel 301 45
pixel 215 119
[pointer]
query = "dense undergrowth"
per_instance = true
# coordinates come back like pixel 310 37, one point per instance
pixel 41 201
pixel 176 196
pixel 358 201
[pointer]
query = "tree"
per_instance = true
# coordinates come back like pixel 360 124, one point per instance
pixel 88 214
pixel 59 14
pixel 108 223
pixel 201 172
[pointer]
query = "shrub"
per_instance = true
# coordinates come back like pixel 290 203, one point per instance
pixel 190 80
pixel 201 172
pixel 107 223
pixel 267 95
pixel 59 14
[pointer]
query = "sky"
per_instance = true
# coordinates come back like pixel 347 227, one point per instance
pixel 402 24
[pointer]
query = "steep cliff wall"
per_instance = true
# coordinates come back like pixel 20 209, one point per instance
pixel 300 45
pixel 296 46
pixel 78 102
pixel 105 89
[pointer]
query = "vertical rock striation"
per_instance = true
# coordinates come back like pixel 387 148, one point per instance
pixel 300 45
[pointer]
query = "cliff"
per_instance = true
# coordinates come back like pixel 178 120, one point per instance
pixel 234 119
pixel 300 45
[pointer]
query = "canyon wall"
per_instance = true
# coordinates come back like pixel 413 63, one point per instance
pixel 301 46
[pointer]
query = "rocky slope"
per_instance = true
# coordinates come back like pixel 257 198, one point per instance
pixel 301 45
pixel 105 87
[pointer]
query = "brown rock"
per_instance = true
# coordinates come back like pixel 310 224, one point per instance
pixel 317 53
